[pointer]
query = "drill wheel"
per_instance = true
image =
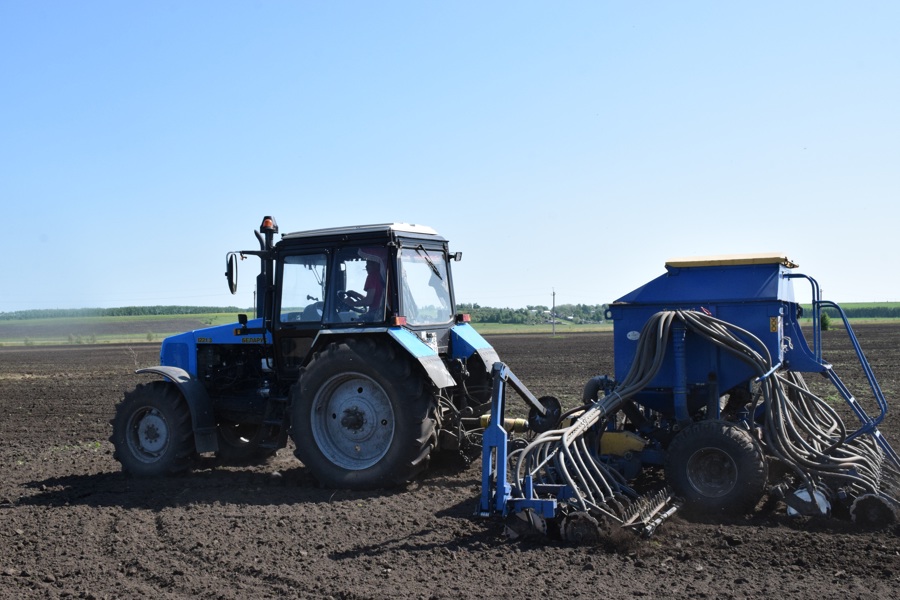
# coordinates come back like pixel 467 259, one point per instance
pixel 524 524
pixel 581 529
pixel 717 467
pixel 873 511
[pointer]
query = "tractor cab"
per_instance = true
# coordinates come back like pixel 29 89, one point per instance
pixel 345 281
pixel 371 274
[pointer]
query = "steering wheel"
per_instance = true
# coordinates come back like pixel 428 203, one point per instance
pixel 342 297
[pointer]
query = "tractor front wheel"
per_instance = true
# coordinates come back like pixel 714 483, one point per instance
pixel 717 467
pixel 152 432
pixel 362 416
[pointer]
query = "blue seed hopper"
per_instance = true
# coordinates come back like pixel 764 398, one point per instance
pixel 753 292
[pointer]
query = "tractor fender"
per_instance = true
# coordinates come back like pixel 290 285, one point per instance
pixel 466 342
pixel 199 404
pixel 425 354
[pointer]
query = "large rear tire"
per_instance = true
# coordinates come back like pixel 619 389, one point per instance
pixel 717 467
pixel 362 416
pixel 152 432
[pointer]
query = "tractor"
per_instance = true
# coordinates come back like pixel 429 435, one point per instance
pixel 355 352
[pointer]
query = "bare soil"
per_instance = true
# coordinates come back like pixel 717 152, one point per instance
pixel 72 526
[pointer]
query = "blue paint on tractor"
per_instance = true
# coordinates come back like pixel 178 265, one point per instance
pixel 411 342
pixel 181 350
pixel 465 341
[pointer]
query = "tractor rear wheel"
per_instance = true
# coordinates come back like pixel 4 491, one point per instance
pixel 716 467
pixel 152 432
pixel 362 416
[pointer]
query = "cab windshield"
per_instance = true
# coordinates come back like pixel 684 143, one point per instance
pixel 424 286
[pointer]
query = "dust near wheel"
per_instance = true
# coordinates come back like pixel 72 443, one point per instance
pixel 152 432
pixel 362 416
pixel 717 467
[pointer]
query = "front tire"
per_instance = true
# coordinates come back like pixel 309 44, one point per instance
pixel 362 416
pixel 717 467
pixel 152 432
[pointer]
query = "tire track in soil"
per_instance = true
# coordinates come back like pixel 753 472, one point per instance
pixel 219 557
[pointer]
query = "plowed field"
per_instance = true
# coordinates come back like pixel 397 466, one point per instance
pixel 72 526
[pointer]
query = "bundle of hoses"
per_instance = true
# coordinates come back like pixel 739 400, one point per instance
pixel 561 456
pixel 799 429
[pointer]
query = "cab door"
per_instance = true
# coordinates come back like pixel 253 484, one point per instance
pixel 299 307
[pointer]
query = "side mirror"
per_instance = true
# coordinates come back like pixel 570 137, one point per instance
pixel 457 256
pixel 231 271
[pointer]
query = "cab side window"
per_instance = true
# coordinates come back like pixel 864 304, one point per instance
pixel 303 288
pixel 360 283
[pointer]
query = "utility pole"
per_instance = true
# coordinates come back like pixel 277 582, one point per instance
pixel 553 312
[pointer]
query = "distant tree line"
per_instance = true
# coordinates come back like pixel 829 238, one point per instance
pixel 532 315
pixel 576 313
pixel 863 312
pixel 596 313
pixel 123 311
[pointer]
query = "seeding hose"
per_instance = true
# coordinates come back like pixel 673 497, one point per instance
pixel 798 428
pixel 562 455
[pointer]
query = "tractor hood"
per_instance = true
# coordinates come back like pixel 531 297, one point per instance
pixel 179 350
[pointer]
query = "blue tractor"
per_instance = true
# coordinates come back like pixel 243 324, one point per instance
pixel 356 352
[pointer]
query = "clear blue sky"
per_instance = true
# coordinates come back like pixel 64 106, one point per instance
pixel 572 146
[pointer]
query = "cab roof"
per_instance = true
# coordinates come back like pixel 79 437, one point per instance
pixel 385 228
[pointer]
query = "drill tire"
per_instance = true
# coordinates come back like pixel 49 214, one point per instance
pixel 716 467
